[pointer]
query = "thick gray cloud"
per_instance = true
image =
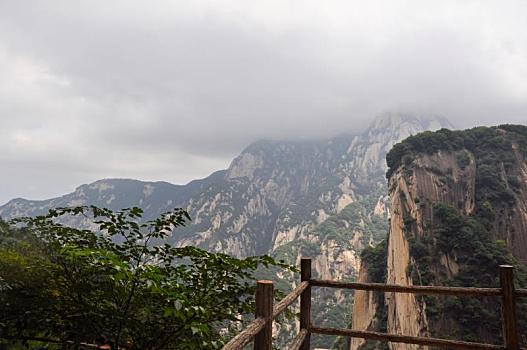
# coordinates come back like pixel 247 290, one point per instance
pixel 172 90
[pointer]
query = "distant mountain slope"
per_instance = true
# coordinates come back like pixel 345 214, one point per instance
pixel 154 197
pixel 324 199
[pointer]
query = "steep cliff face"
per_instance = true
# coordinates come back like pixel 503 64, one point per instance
pixel 414 189
pixel 404 313
pixel 365 308
pixel 481 172
pixel 369 308
pixel 457 212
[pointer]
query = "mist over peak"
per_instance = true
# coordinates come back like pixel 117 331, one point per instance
pixel 92 90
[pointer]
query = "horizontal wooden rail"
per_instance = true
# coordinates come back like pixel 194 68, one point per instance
pixel 261 328
pixel 245 337
pixel 396 338
pixel 289 299
pixel 408 289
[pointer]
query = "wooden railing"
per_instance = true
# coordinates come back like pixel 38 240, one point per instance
pixel 260 330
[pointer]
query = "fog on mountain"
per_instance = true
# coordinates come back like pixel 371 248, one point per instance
pixel 234 175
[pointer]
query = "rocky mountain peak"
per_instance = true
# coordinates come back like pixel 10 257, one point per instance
pixel 244 165
pixel 390 128
pixel 370 146
pixel 397 121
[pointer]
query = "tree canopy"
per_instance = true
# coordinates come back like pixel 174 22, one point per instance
pixel 118 283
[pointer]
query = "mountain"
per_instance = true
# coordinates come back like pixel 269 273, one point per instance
pixel 458 211
pixel 325 199
pixel 272 194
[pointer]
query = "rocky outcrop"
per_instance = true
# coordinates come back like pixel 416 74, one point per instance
pixel 414 191
pixel 456 199
pixel 405 315
pixel 364 309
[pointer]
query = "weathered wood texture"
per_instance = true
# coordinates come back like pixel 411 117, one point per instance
pixel 508 308
pixel 289 299
pixel 305 302
pixel 264 309
pixel 246 336
pixel 396 338
pixel 460 291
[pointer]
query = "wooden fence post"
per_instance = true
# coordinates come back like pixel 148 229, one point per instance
pixel 264 309
pixel 305 302
pixel 508 308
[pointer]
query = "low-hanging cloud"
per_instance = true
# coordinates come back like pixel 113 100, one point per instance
pixel 173 89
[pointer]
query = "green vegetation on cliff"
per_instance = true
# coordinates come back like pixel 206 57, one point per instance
pixel 374 260
pixel 477 140
pixel 469 244
pixel 459 246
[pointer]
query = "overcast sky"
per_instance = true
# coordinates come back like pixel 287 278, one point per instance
pixel 173 90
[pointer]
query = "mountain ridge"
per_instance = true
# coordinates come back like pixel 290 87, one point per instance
pixel 325 199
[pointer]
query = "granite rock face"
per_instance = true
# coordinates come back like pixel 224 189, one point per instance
pixel 480 176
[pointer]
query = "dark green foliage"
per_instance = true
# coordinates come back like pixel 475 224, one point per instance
pixel 478 141
pixel 419 250
pixel 463 159
pixel 478 255
pixel 375 260
pixel 493 187
pixel 64 284
pixel 497 170
pixel 426 142
pixel 408 223
pixel 514 183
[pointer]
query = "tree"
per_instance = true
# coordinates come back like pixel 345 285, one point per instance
pixel 121 282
